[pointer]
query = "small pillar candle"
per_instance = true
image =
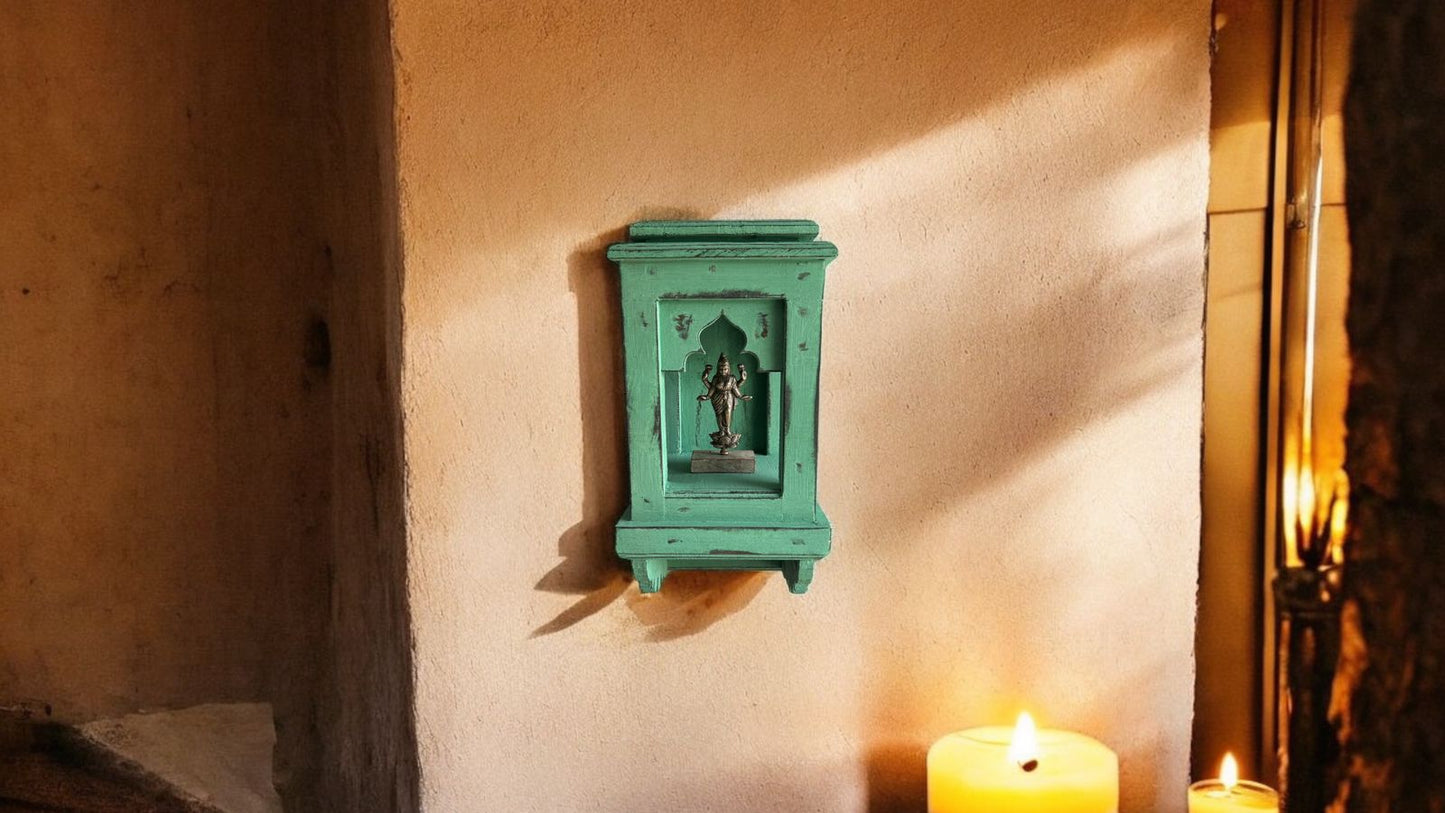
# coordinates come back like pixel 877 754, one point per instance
pixel 1229 794
pixel 1021 770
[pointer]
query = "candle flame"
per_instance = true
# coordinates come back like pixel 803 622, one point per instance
pixel 1308 511
pixel 1291 518
pixel 1316 513
pixel 1229 773
pixel 1339 517
pixel 1024 748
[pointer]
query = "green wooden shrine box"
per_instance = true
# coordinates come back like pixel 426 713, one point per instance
pixel 693 291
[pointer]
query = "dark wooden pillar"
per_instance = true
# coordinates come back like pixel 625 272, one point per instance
pixel 1393 675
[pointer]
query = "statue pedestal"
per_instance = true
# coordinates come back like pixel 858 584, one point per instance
pixel 738 461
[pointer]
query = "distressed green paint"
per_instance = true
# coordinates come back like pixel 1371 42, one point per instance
pixel 759 321
pixel 752 289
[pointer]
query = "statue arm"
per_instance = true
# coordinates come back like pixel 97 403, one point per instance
pixel 706 383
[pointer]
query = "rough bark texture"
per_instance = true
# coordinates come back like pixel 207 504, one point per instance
pixel 1394 663
pixel 368 740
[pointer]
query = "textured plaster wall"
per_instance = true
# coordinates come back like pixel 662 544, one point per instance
pixel 165 418
pixel 1010 406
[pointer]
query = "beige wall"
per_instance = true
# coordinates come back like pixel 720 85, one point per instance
pixel 1010 407
pixel 164 442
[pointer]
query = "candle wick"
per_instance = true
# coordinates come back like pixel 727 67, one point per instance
pixel 1030 766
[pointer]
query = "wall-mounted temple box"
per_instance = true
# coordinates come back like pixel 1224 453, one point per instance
pixel 722 328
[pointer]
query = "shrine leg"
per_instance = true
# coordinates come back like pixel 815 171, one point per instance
pixel 799 574
pixel 649 574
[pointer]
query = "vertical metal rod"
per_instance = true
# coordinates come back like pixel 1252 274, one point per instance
pixel 1306 583
pixel 1307 189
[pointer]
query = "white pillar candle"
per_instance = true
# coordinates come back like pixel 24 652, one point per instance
pixel 1020 770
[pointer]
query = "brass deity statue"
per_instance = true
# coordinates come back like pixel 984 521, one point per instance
pixel 724 392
